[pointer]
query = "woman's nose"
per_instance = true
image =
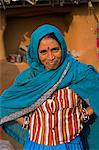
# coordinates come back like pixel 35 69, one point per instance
pixel 50 56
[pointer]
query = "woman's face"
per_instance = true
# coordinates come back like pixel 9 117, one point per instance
pixel 49 53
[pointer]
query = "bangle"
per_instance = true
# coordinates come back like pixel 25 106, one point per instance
pixel 26 122
pixel 85 115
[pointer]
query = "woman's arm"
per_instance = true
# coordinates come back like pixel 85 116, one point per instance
pixel 24 121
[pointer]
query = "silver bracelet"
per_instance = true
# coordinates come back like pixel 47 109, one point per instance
pixel 85 115
pixel 26 122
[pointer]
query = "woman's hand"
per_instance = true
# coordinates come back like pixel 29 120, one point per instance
pixel 89 110
pixel 86 113
pixel 20 120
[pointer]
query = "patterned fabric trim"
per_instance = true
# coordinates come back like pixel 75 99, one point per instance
pixel 31 108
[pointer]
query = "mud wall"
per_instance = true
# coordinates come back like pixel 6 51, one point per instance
pixel 77 25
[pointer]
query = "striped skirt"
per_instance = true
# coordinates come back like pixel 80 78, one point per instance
pixel 75 144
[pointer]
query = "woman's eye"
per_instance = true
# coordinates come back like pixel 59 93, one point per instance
pixel 55 49
pixel 43 52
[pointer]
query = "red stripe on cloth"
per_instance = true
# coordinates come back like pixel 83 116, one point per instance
pixel 97 29
pixel 56 129
pixel 97 42
pixel 38 124
pixel 70 125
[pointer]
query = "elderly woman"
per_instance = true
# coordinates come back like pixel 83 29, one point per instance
pixel 49 95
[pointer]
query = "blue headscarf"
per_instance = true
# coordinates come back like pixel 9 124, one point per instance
pixel 32 83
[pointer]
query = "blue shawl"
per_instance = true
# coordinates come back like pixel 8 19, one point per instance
pixel 32 83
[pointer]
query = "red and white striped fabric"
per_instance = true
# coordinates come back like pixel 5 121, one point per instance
pixel 57 120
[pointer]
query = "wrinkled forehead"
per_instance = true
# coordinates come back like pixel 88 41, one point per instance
pixel 49 37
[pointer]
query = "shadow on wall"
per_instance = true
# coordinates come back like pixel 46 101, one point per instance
pixel 8 73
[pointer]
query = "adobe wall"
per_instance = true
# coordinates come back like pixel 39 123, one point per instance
pixel 79 29
pixel 81 36
pixel 2 29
